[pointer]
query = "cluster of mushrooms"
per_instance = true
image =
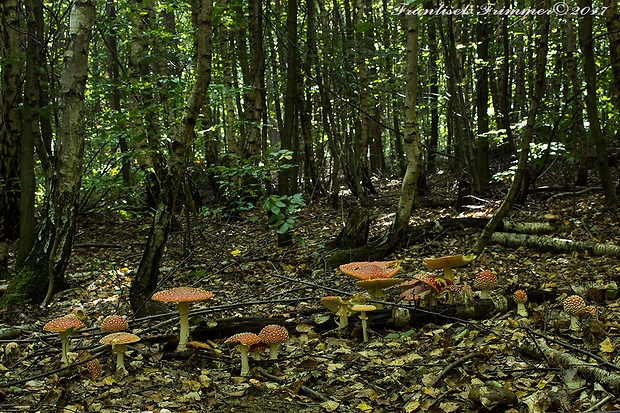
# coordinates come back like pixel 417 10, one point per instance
pixel 114 325
pixel 427 288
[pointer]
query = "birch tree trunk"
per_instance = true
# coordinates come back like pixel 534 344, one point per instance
pixel 46 263
pixel 145 281
pixel 539 87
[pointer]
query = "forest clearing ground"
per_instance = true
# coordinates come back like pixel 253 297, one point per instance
pixel 238 261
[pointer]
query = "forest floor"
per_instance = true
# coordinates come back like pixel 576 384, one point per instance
pixel 461 366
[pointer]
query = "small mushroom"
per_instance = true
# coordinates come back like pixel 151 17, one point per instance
pixel 484 282
pixel 114 324
pixel 574 306
pixel 337 306
pixel 447 263
pixel 436 284
pixel 272 335
pixel 520 298
pixel 64 326
pixel 182 296
pixel 363 308
pixel 94 369
pixel 245 340
pixel 590 310
pixel 118 342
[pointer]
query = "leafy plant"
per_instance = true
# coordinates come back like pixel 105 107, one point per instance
pixel 280 209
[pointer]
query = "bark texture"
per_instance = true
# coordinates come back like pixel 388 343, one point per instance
pixel 45 265
pixel 145 281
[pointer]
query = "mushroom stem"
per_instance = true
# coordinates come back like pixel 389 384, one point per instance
pixel 245 365
pixel 119 349
pixel 484 294
pixel 273 351
pixel 377 295
pixel 448 274
pixel 364 325
pixel 64 337
pixel 183 309
pixel 521 310
pixel 574 323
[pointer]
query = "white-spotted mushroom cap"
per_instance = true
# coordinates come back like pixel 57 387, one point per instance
pixel 370 270
pixel 62 324
pixel 113 324
pixel 574 306
pixel 590 309
pixel 272 335
pixel 94 369
pixel 520 298
pixel 485 281
pixel 182 294
pixel 119 338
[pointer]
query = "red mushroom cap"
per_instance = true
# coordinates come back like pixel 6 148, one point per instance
pixel 114 323
pixel 574 305
pixel 433 281
pixel 182 294
pixel 370 270
pixel 485 280
pixel 590 309
pixel 59 325
pixel 272 334
pixel 94 369
pixel 244 338
pixel 119 338
pixel 520 297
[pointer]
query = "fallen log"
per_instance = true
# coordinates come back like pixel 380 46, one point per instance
pixel 553 244
pixel 590 372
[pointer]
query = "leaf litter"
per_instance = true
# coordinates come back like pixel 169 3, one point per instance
pixel 465 365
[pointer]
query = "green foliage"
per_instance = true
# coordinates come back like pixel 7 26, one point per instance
pixel 280 209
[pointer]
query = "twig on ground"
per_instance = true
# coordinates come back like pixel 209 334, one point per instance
pixel 454 364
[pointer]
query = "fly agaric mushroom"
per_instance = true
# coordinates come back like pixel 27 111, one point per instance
pixel 485 281
pixel 447 263
pixel 245 340
pixel 118 342
pixel 520 298
pixel 182 296
pixel 337 306
pixel 590 309
pixel 375 287
pixel 574 306
pixel 370 270
pixel 272 335
pixel 64 326
pixel 362 308
pixel 114 324
pixel 436 284
pixel 94 369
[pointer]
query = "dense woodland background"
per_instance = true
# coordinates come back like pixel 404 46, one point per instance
pixel 202 109
pixel 250 147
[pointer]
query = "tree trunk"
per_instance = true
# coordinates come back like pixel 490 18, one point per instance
pixel 50 254
pixel 539 243
pixel 287 181
pixel 10 126
pixel 145 281
pixel 586 43
pixel 482 105
pixel 388 242
pixel 30 129
pixel 255 96
pixel 612 20
pixel 538 92
pixel 579 130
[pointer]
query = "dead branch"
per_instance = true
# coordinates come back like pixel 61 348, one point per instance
pixel 588 371
pixel 553 244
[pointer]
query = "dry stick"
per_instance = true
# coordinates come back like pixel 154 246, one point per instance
pixel 455 363
pixel 306 389
pixel 577 349
pixel 600 404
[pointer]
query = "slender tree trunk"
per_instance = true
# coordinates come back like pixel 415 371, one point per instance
pixel 30 131
pixel 482 105
pixel 528 132
pixel 287 182
pixel 255 96
pixel 586 43
pixel 579 130
pixel 232 137
pixel 50 254
pixel 434 94
pixel 612 20
pixel 10 123
pixel 145 281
